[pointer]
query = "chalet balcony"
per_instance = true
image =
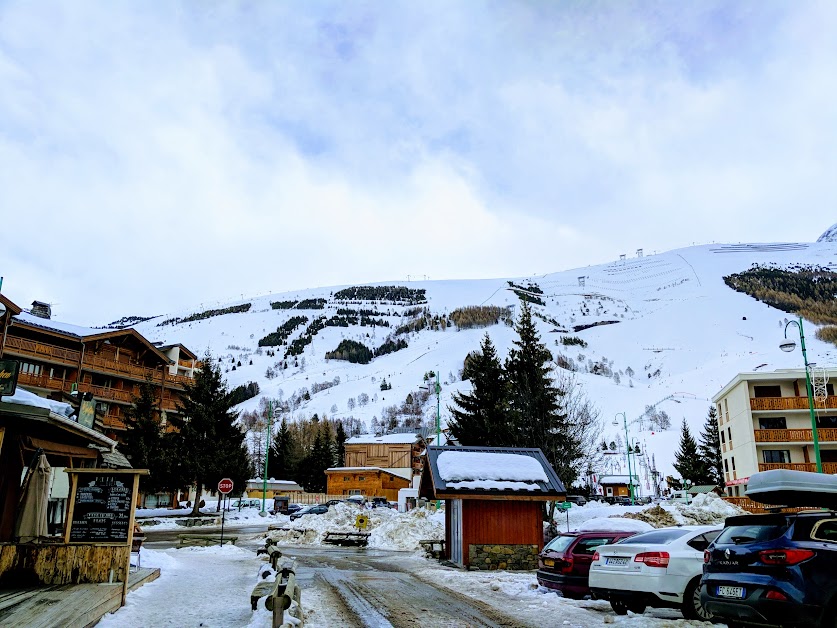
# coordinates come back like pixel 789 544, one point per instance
pixel 114 422
pixel 825 435
pixel 111 394
pixel 43 381
pixel 41 351
pixel 789 403
pixel 827 467
pixel 125 369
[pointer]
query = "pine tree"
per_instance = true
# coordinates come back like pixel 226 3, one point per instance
pixel 686 459
pixel 146 444
pixel 279 456
pixel 535 412
pixel 709 450
pixel 481 417
pixel 340 445
pixel 210 445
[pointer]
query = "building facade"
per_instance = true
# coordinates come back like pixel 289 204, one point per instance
pixel 366 481
pixel 764 423
pixel 399 454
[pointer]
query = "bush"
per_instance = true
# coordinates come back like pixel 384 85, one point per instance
pixel 568 341
pixel 351 351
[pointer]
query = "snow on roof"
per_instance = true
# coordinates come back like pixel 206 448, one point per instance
pixel 616 479
pixel 364 439
pixel 64 328
pixel 390 471
pixel 466 467
pixel 26 398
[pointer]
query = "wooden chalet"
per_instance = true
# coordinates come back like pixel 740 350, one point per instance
pixel 493 503
pixel 367 481
pixel 103 366
pixel 617 485
pixel 399 454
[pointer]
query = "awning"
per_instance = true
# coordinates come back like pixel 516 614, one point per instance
pixel 31 443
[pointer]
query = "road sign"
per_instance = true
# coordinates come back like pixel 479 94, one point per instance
pixel 565 505
pixel 361 521
pixel 225 486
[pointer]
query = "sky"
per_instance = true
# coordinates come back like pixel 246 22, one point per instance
pixel 154 156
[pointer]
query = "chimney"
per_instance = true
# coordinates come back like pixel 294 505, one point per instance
pixel 41 310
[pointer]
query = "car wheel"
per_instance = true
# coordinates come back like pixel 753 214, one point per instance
pixel 637 607
pixel 692 608
pixel 619 607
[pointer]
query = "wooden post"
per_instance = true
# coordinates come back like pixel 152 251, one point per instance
pixel 68 522
pixel 134 490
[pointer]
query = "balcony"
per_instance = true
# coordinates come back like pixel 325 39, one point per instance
pixel 42 351
pixel 825 435
pixel 43 381
pixel 136 371
pixel 753 507
pixel 827 467
pixel 789 403
pixel 111 394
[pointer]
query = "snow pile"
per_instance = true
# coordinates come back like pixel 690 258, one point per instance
pixel 614 523
pixel 26 398
pixel 406 530
pixel 705 509
pixel 656 516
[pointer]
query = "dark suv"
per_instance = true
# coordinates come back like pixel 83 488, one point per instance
pixel 774 569
pixel 564 564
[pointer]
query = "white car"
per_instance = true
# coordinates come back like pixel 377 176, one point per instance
pixel 661 568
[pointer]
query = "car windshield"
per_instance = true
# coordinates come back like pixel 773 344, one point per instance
pixel 656 537
pixel 560 543
pixel 752 533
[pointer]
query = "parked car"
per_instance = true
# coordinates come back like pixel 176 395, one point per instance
pixel 334 502
pixel 681 496
pixel 661 568
pixel 246 503
pixel 319 509
pixel 292 508
pixel 564 564
pixel 578 500
pixel 623 500
pixel 774 569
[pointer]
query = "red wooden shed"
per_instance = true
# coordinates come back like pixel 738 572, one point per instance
pixel 493 503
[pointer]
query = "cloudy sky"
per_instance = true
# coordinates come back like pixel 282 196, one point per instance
pixel 154 156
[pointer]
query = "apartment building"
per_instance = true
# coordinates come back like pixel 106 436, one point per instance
pixel 764 423
pixel 98 371
pixel 399 454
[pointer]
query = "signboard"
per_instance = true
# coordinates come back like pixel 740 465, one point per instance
pixel 361 521
pixel 738 481
pixel 102 508
pixel 565 505
pixel 8 377
pixel 87 412
pixel 225 486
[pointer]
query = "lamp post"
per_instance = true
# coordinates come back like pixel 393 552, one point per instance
pixel 438 389
pixel 628 451
pixel 267 454
pixel 788 346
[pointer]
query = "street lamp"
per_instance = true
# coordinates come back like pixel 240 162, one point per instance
pixel 788 346
pixel 628 450
pixel 438 390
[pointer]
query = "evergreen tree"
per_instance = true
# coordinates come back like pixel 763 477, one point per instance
pixel 340 445
pixel 146 444
pixel 210 445
pixel 686 459
pixel 537 419
pixel 709 450
pixel 481 417
pixel 279 456
pixel 317 461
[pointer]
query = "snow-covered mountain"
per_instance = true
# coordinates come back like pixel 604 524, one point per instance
pixel 829 235
pixel 665 324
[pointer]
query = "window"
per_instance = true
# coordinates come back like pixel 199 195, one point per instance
pixel 665 535
pixel 773 423
pixel 729 436
pixel 723 438
pixel 588 546
pixel 702 541
pixel 345 478
pixel 829 388
pixel 732 459
pixel 825 530
pixel 827 421
pixel 361 478
pixel 560 543
pixel 31 369
pixel 726 465
pixel 767 391
pixel 355 491
pixel 776 456
pixel 753 532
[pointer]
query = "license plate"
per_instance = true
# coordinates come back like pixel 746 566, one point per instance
pixel 619 562
pixel 548 562
pixel 737 592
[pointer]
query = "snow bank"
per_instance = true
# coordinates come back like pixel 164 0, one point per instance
pixel 388 528
pixel 464 466
pixel 614 524
pixel 705 509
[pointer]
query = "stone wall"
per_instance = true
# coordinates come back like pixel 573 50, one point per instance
pixel 511 557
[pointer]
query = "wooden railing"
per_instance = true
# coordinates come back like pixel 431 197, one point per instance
pixel 789 403
pixel 749 505
pixel 827 467
pixel 41 350
pixel 825 434
pixel 43 381
pixel 114 422
pixel 114 394
pixel 94 362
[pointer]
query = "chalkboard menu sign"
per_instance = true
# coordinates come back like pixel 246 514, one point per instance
pixel 102 508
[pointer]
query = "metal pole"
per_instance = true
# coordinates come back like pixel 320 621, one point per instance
pixel 267 454
pixel 223 517
pixel 628 451
pixel 810 398
pixel 438 409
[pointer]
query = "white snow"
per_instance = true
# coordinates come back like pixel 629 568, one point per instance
pixel 495 484
pixel 470 466
pixel 68 328
pixel 613 524
pixel 829 235
pixel 26 398
pixel 394 439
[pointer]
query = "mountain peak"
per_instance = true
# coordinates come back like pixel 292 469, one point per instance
pixel 829 235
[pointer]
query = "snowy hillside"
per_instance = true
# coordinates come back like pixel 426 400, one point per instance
pixel 829 235
pixel 670 329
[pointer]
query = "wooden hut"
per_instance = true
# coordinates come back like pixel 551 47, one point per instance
pixel 366 481
pixel 493 503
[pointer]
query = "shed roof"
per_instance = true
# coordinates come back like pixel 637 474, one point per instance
pixel 701 488
pixel 392 439
pixel 617 479
pixel 489 473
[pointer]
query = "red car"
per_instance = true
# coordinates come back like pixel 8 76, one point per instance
pixel 564 564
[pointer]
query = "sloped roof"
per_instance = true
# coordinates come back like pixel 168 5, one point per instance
pixel 617 479
pixel 701 488
pixel 489 473
pixel 392 439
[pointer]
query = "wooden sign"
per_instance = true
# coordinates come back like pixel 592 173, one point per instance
pixel 8 376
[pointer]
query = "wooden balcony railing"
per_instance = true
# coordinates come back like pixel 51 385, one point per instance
pixel 178 380
pixel 41 350
pixel 825 434
pixel 827 467
pixel 114 422
pixel 789 403
pixel 42 381
pixel 113 394
pixel 749 505
pixel 97 363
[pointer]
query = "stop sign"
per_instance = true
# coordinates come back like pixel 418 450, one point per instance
pixel 225 486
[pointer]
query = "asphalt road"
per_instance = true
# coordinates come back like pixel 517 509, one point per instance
pixel 163 539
